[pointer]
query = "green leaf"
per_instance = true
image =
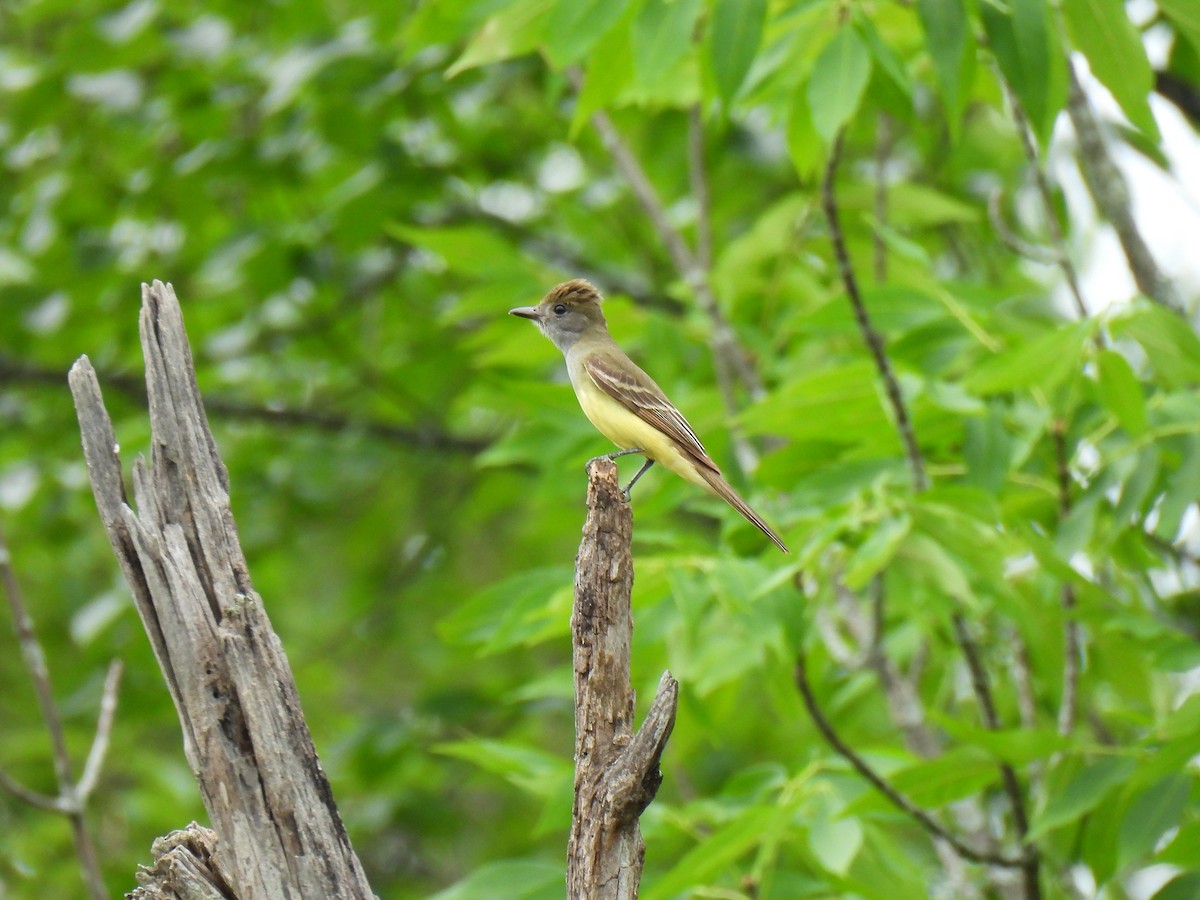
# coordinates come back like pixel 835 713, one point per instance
pixel 987 448
pixel 835 842
pixel 1099 846
pixel 1178 657
pixel 1030 60
pixel 517 879
pixel 1122 392
pixel 735 33
pixel 952 48
pixel 1101 29
pixel 922 206
pixel 876 551
pixel 1136 488
pixel 524 609
pixel 1087 790
pixel 1183 721
pixel 1182 490
pixel 955 775
pixel 930 563
pixel 1185 16
pixel 610 70
pixel 1183 887
pixel 663 33
pixel 1171 346
pixel 717 852
pixel 883 53
pixel 841 405
pixel 535 771
pixel 1153 812
pixel 1018 746
pixel 839 79
pixel 1184 849
pixel 1043 362
pixel 471 249
pixel 514 31
pixel 574 27
pixel 804 144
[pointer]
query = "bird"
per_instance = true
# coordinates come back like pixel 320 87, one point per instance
pixel 622 401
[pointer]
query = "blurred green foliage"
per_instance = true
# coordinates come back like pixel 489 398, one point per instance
pixel 348 197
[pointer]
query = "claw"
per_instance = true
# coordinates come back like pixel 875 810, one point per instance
pixel 632 481
pixel 616 454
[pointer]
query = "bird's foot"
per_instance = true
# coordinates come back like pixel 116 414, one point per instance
pixel 632 481
pixel 616 454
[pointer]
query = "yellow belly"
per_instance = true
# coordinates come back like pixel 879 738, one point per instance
pixel 625 429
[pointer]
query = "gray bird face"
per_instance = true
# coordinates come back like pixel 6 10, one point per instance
pixel 566 313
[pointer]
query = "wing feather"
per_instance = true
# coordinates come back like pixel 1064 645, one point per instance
pixel 637 392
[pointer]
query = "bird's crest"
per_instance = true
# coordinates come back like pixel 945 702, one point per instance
pixel 574 291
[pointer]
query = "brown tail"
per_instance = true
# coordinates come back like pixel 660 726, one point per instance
pixel 723 490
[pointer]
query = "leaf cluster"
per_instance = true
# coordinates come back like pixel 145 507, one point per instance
pixel 348 197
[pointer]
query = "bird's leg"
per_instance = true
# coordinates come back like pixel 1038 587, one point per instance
pixel 632 481
pixel 616 454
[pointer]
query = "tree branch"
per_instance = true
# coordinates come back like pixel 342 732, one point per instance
pixel 698 179
pixel 71 798
pixel 860 765
pixel 1031 862
pixel 104 726
pixel 1046 196
pixel 1110 192
pixel 1015 242
pixel 873 339
pixel 883 150
pixel 329 421
pixel 32 797
pixel 1070 690
pixel 616 772
pixel 243 731
pixel 730 360
pixel 1183 93
pixel 186 866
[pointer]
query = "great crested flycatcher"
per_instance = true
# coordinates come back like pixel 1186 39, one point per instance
pixel 621 400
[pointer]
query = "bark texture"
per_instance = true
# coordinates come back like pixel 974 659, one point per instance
pixel 616 771
pixel 278 832
pixel 185 868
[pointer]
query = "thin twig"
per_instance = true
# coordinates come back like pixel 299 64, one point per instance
pixel 1031 861
pixel 1179 554
pixel 1180 91
pixel 682 259
pixel 698 179
pixel 924 819
pixel 1012 240
pixel 1026 698
pixel 883 151
pixel 30 796
pixel 1067 710
pixel 69 799
pixel 871 336
pixel 12 370
pixel 731 363
pixel 1061 258
pixel 1110 192
pixel 104 726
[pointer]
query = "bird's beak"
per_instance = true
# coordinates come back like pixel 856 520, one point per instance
pixel 526 312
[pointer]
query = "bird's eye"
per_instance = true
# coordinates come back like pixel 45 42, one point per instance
pixel 560 309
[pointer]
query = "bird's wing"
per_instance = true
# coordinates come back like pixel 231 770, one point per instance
pixel 637 392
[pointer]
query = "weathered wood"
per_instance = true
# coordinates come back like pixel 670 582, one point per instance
pixel 185 868
pixel 278 831
pixel 616 772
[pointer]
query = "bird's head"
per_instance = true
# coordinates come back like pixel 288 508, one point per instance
pixel 566 313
